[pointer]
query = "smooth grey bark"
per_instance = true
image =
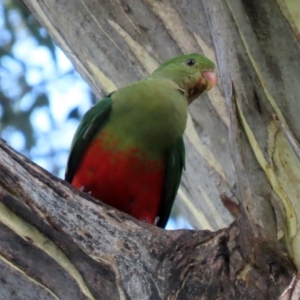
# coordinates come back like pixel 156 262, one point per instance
pixel 114 43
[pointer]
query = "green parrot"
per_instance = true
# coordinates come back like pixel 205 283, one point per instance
pixel 128 150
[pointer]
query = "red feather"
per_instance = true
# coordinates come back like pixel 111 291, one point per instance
pixel 125 179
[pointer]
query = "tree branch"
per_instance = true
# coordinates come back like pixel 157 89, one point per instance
pixel 53 237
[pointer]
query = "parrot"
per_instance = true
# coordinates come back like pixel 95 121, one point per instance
pixel 128 151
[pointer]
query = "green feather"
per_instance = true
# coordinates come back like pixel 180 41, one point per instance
pixel 175 165
pixel 91 123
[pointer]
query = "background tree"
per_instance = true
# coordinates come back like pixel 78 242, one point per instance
pixel 113 43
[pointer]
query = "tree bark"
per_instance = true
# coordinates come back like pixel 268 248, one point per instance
pixel 114 43
pixel 59 243
pixel 103 254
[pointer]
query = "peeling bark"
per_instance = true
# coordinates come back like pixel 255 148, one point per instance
pixel 58 243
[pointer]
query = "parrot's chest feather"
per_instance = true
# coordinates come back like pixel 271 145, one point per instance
pixel 126 179
pixel 155 117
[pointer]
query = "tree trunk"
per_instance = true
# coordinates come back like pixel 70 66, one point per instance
pixel 54 237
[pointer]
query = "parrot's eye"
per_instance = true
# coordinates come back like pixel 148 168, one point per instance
pixel 190 62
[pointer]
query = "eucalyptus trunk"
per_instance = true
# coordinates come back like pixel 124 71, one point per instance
pixel 242 151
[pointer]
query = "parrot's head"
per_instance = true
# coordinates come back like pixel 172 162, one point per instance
pixel 194 74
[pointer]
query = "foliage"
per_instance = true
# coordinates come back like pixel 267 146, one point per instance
pixel 32 70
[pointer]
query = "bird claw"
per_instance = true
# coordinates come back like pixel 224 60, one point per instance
pixel 83 189
pixel 156 220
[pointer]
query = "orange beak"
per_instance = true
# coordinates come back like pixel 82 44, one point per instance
pixel 211 79
pixel 207 81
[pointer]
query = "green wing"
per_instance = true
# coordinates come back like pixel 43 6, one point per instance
pixel 175 165
pixel 92 121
